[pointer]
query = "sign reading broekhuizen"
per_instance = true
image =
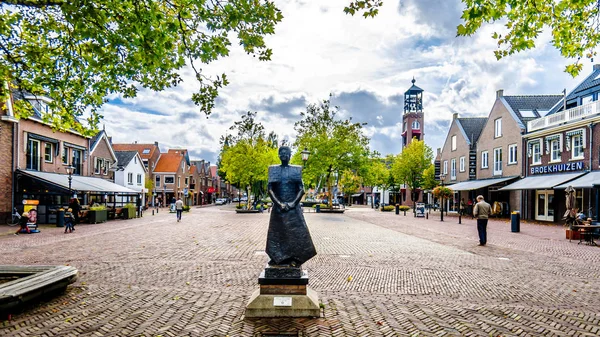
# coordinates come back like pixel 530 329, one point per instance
pixel 557 168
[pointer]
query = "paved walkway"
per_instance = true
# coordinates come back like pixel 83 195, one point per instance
pixel 377 274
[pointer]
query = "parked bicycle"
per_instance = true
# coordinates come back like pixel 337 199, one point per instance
pixel 14 219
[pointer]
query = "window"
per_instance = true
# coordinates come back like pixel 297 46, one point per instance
pixel 555 150
pixel 512 154
pixel 130 178
pixel 105 167
pixel 416 125
pixel 178 182
pixel 186 181
pixel 135 159
pixel 139 179
pixel 445 167
pixel 169 180
pixel 33 155
pixel 157 181
pixel 462 164
pixel 536 153
pixel 484 159
pixel 65 155
pixel 587 99
pixel 577 147
pixel 453 169
pixel 77 161
pixel 145 161
pixel 146 151
pixel 98 165
pixel 498 161
pixel 498 128
pixel 454 143
pixel 48 157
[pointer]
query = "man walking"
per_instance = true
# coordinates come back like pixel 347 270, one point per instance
pixel 179 208
pixel 482 211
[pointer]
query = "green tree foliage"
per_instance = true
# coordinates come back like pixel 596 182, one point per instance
pixel 575 25
pixel 335 145
pixel 409 166
pixel 149 184
pixel 377 173
pixel 429 181
pixel 79 52
pixel 246 155
pixel 349 183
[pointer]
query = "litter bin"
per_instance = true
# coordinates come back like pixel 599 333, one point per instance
pixel 60 219
pixel 318 208
pixel 515 221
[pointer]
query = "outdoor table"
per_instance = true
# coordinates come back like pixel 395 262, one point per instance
pixel 587 230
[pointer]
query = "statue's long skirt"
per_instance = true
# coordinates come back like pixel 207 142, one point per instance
pixel 288 238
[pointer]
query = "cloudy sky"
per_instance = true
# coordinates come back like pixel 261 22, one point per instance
pixel 366 64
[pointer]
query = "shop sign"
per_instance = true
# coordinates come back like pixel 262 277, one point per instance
pixel 472 165
pixel 437 169
pixel 557 168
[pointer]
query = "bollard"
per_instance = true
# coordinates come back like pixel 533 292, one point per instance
pixel 398 209
pixel 459 218
pixel 152 212
pixel 426 215
pixel 404 213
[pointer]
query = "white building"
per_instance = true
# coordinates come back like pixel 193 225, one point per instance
pixel 131 172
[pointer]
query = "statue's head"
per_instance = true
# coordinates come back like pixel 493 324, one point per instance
pixel 285 153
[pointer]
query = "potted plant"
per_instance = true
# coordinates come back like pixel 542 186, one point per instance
pixel 129 211
pixel 97 213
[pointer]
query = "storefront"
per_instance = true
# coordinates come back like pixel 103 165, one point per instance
pixel 543 196
pixel 489 188
pixel 52 192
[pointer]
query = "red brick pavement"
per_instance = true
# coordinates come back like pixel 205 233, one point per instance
pixel 377 274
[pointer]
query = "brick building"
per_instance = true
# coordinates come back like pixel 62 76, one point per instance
pixel 561 151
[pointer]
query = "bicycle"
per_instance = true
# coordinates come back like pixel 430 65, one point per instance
pixel 14 219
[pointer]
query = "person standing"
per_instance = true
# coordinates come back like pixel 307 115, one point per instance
pixel 462 206
pixel 179 208
pixel 76 208
pixel 482 211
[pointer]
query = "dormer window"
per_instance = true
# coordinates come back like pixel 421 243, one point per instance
pixel 40 104
pixel 146 151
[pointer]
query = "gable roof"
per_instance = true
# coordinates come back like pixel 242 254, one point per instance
pixel 192 169
pixel 586 87
pixel 168 162
pixel 534 103
pixel 124 157
pixel 471 128
pixel 97 139
pixel 139 148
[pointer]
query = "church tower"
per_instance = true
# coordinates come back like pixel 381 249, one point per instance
pixel 412 117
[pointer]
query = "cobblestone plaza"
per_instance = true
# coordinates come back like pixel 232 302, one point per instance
pixel 377 274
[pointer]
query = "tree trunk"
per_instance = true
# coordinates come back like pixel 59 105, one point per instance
pixel 329 188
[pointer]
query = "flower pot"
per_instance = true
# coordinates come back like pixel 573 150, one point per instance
pixel 572 234
pixel 97 216
pixel 128 213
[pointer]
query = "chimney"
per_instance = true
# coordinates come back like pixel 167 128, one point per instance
pixel 455 116
pixel 135 142
pixel 110 140
pixel 499 93
pixel 439 151
pixel 156 143
pixel 596 66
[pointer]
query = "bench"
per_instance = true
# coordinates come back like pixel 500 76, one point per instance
pixel 31 283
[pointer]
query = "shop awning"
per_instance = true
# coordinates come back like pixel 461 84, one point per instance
pixel 542 182
pixel 585 181
pixel 356 194
pixel 79 183
pixel 472 185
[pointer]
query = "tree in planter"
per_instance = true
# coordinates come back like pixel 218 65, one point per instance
pixel 409 166
pixel 335 145
pixel 442 192
pixel 245 157
pixel 80 52
pixel 150 185
pixel 573 24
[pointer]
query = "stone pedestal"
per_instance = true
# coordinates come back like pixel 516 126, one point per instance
pixel 283 292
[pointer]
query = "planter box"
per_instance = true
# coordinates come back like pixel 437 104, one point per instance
pixel 97 216
pixel 247 211
pixel 128 213
pixel 575 235
pixel 335 210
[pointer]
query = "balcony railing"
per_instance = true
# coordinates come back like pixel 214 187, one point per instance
pixel 576 113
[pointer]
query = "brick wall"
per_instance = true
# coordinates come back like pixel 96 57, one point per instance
pixel 102 151
pixel 6 153
pixel 511 134
pixel 56 166
pixel 462 150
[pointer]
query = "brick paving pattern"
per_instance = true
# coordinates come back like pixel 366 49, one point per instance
pixel 377 274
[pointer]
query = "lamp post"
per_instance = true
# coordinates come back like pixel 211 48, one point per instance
pixel 70 169
pixel 442 177
pixel 305 155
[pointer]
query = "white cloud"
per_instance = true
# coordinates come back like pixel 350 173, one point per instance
pixel 319 50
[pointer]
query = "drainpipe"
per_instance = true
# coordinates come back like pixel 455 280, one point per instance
pixel 590 168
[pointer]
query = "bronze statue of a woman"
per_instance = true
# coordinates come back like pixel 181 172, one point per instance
pixel 288 241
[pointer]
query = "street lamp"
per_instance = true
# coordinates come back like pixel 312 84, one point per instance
pixel 305 155
pixel 442 177
pixel 70 169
